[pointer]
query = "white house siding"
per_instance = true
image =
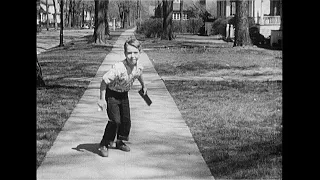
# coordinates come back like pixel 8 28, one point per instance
pixel 50 10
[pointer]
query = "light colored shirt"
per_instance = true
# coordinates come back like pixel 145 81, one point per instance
pixel 118 79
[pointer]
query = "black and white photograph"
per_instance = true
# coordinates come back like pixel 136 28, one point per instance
pixel 159 89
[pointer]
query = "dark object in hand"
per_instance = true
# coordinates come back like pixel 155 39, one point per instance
pixel 145 97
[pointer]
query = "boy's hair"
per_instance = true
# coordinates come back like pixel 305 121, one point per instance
pixel 132 42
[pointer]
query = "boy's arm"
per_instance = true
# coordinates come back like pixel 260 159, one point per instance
pixel 103 88
pixel 143 86
pixel 102 100
pixel 106 79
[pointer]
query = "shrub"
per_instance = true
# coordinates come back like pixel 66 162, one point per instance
pixel 180 26
pixel 220 24
pixel 194 25
pixel 151 27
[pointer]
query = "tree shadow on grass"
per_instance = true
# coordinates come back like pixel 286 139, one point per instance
pixel 247 158
pixel 57 86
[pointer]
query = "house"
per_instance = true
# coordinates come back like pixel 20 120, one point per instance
pixel 176 9
pixel 266 13
pixel 42 11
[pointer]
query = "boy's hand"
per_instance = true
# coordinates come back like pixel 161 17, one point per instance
pixel 102 103
pixel 144 90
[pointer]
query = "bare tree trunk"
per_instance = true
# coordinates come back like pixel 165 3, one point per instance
pixel 126 15
pixel 70 14
pixel 167 19
pixel 55 15
pixel 47 9
pixel 181 10
pixel 39 14
pixel 40 81
pixel 138 9
pixel 73 22
pixel 61 23
pixel 83 14
pixel 181 15
pixel 101 29
pixel 90 16
pixel 242 37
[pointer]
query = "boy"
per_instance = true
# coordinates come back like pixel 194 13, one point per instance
pixel 114 89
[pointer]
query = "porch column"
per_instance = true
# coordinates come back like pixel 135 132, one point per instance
pixel 228 9
pixel 114 24
pixel 252 8
pixel 261 16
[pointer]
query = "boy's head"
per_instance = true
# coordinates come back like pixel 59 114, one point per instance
pixel 132 49
pixel 132 42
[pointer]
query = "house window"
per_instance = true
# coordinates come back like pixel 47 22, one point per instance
pixel 176 16
pixel 185 16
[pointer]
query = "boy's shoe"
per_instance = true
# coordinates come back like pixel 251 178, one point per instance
pixel 104 151
pixel 122 146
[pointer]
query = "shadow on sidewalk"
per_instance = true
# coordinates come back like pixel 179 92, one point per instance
pixel 92 147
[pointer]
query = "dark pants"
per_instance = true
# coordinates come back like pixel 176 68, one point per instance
pixel 118 111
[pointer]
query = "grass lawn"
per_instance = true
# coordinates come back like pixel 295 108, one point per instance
pixel 192 61
pixel 236 125
pixel 67 71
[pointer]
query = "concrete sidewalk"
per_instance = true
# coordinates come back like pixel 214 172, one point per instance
pixel 162 146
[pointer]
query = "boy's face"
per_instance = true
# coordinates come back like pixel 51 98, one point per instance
pixel 132 55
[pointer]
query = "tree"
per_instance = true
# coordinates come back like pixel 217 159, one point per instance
pixel 47 12
pixel 70 13
pixel 61 23
pixel 181 11
pixel 242 37
pixel 101 26
pixel 40 81
pixel 158 10
pixel 124 10
pixel 55 14
pixel 39 16
pixel 82 13
pixel 167 19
